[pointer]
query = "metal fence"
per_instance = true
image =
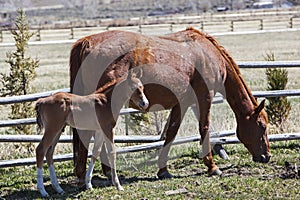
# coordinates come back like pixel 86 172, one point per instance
pixel 152 142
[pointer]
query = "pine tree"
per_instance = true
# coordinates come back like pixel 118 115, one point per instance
pixel 278 108
pixel 22 72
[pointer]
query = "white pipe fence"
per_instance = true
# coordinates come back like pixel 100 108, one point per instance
pixel 152 142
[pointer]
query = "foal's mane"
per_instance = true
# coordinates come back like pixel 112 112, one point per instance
pixel 229 60
pixel 109 86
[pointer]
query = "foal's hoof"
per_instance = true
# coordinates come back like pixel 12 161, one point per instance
pixel 164 175
pixel 120 188
pixel 89 186
pixel 214 172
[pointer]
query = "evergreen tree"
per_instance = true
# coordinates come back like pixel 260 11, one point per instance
pixel 22 72
pixel 278 108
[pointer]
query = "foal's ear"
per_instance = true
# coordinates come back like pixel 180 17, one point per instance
pixel 258 109
pixel 138 72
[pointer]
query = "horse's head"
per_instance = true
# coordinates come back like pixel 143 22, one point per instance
pixel 138 97
pixel 252 132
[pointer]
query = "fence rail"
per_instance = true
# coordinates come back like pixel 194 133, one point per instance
pixel 152 142
pixel 149 146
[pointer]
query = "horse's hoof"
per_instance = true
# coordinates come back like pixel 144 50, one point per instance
pixel 165 175
pixel 45 195
pixel 215 172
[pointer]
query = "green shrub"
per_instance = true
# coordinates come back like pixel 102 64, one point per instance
pixel 278 108
pixel 21 74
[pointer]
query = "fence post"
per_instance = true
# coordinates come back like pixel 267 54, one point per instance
pixel 72 33
pixel 38 35
pixel 261 24
pixel 202 26
pixel 1 36
pixel 291 22
pixel 231 26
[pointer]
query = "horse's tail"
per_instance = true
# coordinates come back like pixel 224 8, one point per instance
pixel 77 55
pixel 39 118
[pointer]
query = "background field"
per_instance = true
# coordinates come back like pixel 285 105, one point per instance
pixel 242 178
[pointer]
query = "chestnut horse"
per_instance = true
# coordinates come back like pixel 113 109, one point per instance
pixel 91 112
pixel 179 69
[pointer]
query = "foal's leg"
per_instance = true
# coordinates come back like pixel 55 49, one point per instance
pixel 42 148
pixel 49 158
pixel 112 158
pixel 98 142
pixel 204 102
pixel 176 116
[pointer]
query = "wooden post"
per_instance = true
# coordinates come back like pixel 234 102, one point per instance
pixel 38 35
pixel 202 26
pixel 232 26
pixel 72 33
pixel 291 22
pixel 261 25
pixel 1 36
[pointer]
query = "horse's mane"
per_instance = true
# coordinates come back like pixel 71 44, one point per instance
pixel 229 60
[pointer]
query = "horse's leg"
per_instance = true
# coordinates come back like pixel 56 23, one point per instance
pixel 204 102
pixel 98 142
pixel 41 150
pixel 50 163
pixel 109 140
pixel 80 149
pixel 176 116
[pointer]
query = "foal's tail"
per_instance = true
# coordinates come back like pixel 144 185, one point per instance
pixel 39 119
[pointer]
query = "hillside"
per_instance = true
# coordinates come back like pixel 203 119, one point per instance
pixel 42 12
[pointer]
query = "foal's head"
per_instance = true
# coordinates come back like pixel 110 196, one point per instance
pixel 138 97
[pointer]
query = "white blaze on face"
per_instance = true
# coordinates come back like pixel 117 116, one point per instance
pixel 144 103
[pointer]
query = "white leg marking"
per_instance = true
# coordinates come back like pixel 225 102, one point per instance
pixel 112 159
pixel 40 183
pixel 89 174
pixel 54 181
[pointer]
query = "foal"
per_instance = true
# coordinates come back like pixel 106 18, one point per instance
pixel 91 112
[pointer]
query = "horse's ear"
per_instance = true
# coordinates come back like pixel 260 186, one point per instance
pixel 258 109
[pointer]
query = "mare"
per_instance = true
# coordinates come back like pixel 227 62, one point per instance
pixel 91 112
pixel 179 69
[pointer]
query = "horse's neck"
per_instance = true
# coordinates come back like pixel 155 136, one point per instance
pixel 237 95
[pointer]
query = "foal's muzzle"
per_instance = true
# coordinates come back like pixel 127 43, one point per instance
pixel 144 103
pixel 262 158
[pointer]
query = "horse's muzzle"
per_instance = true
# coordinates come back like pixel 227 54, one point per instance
pixel 262 158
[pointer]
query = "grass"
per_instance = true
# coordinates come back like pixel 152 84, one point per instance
pixel 241 177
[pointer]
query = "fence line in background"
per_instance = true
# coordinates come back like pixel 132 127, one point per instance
pixel 168 25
